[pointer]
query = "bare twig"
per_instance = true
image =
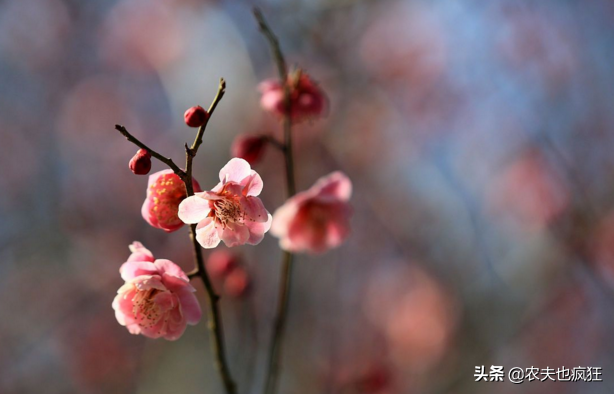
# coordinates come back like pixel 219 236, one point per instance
pixel 287 259
pixel 169 162
pixel 273 141
pixel 215 321
pixel 191 151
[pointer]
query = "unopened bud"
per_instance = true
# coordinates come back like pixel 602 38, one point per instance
pixel 140 163
pixel 248 147
pixel 195 116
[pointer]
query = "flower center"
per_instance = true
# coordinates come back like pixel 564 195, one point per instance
pixel 145 309
pixel 227 210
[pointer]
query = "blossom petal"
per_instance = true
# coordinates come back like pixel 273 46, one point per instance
pixel 146 282
pixel 254 209
pixel 269 84
pixel 165 300
pixel 235 170
pixel 282 217
pixel 174 283
pixel 156 331
pixel 206 234
pixel 190 307
pixel 212 196
pixel 193 209
pixel 234 235
pixel 123 305
pixel 218 188
pixel 252 185
pixel 258 229
pixel 132 269
pixel 334 186
pixel 176 325
pixel 140 253
pixel 307 235
pixel 272 101
pixel 119 314
pixel 336 233
pixel 168 267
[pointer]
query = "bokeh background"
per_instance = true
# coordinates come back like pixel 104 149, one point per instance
pixel 478 136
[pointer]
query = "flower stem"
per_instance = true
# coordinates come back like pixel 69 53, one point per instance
pixel 281 313
pixel 215 320
pixel 169 162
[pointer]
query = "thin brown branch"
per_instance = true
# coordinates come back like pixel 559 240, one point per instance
pixel 201 130
pixel 278 56
pixel 273 141
pixel 215 319
pixel 169 162
pixel 281 313
pixel 190 152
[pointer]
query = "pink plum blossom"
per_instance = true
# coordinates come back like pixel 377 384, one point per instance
pixel 317 219
pixel 231 212
pixel 157 299
pixel 307 99
pixel 165 190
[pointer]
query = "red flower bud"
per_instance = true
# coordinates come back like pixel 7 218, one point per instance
pixel 248 147
pixel 140 163
pixel 195 116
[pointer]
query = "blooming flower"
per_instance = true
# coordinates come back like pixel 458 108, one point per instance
pixel 231 212
pixel 307 99
pixel 165 190
pixel 157 299
pixel 317 219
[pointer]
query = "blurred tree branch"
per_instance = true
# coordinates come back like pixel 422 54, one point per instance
pixel 287 258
